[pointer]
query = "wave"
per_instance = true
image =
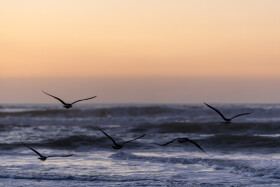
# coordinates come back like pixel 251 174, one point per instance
pixel 221 142
pixel 234 166
pixel 65 177
pixel 99 112
pixel 126 110
pixel 143 125
pixel 214 143
pixel 167 113
pixel 78 142
pixel 244 128
pixel 244 143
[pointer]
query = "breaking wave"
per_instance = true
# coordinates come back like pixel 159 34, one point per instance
pixel 233 166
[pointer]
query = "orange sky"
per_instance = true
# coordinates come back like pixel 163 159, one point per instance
pixel 140 38
pixel 85 38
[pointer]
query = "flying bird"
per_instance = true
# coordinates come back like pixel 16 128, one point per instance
pixel 227 120
pixel 116 145
pixel 68 105
pixel 183 140
pixel 42 157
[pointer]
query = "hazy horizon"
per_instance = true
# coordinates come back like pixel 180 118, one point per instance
pixel 142 90
pixel 157 51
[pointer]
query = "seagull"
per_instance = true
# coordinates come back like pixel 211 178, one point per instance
pixel 183 140
pixel 68 105
pixel 227 120
pixel 117 146
pixel 42 157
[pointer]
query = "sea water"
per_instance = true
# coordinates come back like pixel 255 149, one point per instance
pixel 244 153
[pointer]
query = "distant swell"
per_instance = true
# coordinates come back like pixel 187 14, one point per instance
pixel 99 112
pixel 211 128
pixel 154 113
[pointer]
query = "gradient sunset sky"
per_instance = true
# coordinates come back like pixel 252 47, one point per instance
pixel 142 51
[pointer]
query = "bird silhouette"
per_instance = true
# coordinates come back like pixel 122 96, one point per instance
pixel 68 105
pixel 183 140
pixel 116 145
pixel 42 157
pixel 226 120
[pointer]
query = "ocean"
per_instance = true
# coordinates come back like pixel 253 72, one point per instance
pixel 244 153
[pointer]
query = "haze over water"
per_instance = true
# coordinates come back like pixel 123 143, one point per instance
pixel 143 45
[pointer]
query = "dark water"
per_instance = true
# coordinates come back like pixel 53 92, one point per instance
pixel 241 154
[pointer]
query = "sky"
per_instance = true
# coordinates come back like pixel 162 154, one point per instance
pixel 142 51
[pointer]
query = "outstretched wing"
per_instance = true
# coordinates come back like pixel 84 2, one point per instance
pixel 83 100
pixel 198 146
pixel 108 136
pixel 133 139
pixel 216 111
pixel 60 155
pixel 168 142
pixel 33 149
pixel 55 98
pixel 240 115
